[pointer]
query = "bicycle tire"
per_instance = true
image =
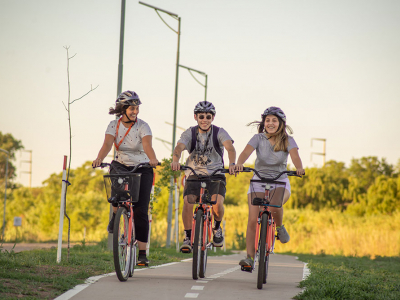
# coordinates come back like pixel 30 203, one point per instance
pixel 198 234
pixel 133 253
pixel 121 249
pixel 263 252
pixel 203 257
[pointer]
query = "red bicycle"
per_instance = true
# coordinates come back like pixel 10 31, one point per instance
pixel 123 189
pixel 265 230
pixel 203 220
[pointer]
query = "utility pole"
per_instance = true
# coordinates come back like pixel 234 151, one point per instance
pixel 323 153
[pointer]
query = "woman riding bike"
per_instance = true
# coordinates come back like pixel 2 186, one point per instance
pixel 132 138
pixel 272 145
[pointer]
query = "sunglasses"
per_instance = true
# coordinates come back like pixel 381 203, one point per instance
pixel 201 117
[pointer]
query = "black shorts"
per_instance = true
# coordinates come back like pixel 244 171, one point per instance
pixel 216 185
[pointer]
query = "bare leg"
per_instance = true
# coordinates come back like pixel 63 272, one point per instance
pixel 277 212
pixel 252 224
pixel 187 214
pixel 218 209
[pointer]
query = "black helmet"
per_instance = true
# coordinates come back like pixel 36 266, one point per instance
pixel 128 98
pixel 205 107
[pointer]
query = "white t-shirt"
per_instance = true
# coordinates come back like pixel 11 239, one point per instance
pixel 130 151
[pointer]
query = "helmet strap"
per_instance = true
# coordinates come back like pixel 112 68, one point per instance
pixel 130 121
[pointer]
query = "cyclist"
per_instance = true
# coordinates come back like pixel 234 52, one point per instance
pixel 205 143
pixel 272 145
pixel 132 138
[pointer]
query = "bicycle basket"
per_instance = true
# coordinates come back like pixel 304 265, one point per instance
pixel 266 192
pixel 122 187
pixel 212 187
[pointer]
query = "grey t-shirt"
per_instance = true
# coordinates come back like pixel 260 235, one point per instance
pixel 130 151
pixel 268 161
pixel 204 158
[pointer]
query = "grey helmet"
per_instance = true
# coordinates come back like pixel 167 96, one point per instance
pixel 276 111
pixel 128 98
pixel 205 107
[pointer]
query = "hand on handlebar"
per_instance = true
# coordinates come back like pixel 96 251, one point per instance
pixel 300 171
pixel 153 162
pixel 97 162
pixel 175 166
pixel 239 168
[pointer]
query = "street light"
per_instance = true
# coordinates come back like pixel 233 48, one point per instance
pixel 200 72
pixel 5 193
pixel 176 17
pixel 178 32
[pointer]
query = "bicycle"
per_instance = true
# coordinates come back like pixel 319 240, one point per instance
pixel 202 221
pixel 123 189
pixel 265 230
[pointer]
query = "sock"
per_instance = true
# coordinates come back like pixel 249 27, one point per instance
pixel 142 252
pixel 188 233
pixel 216 224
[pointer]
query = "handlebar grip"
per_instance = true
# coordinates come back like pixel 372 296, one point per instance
pixel 247 169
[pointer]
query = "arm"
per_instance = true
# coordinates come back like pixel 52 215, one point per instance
pixel 247 151
pixel 148 149
pixel 175 166
pixel 105 149
pixel 294 155
pixel 231 155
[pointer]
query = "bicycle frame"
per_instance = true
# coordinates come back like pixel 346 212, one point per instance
pixel 207 224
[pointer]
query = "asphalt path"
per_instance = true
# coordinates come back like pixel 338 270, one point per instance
pixel 224 280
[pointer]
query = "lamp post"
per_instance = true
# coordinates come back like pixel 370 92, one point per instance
pixel 200 72
pixel 178 32
pixel 5 193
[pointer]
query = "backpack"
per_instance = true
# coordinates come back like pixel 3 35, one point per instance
pixel 217 147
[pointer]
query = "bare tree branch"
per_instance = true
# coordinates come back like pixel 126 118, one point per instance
pixel 91 90
pixel 64 106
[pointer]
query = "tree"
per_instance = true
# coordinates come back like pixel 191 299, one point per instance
pixel 10 144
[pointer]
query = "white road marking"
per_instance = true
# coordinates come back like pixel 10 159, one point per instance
pixel 201 281
pixel 191 295
pixel 198 287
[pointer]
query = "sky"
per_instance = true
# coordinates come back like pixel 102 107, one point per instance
pixel 332 66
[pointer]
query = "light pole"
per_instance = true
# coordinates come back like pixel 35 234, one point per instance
pixel 5 193
pixel 200 72
pixel 178 32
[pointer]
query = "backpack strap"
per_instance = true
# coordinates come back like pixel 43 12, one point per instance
pixel 216 143
pixel 194 140
pixel 217 147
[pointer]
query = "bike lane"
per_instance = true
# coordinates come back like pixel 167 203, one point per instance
pixel 224 280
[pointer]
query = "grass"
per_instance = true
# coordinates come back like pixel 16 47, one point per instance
pixel 36 275
pixel 343 277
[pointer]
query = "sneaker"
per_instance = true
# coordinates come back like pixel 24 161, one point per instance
pixel 142 261
pixel 186 246
pixel 283 235
pixel 218 239
pixel 247 264
pixel 110 227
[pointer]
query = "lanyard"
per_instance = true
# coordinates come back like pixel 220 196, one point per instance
pixel 116 134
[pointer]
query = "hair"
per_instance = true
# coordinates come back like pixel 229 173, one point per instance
pixel 281 136
pixel 118 110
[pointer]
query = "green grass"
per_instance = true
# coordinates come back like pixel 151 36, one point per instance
pixel 341 277
pixel 36 275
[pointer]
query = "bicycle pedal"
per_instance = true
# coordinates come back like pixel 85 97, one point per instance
pixel 142 264
pixel 247 269
pixel 186 250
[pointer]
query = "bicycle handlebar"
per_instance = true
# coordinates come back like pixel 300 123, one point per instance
pixel 146 165
pixel 222 170
pixel 289 173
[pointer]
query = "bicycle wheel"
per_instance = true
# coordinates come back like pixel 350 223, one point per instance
pixel 263 252
pixel 203 256
pixel 121 248
pixel 198 238
pixel 133 253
